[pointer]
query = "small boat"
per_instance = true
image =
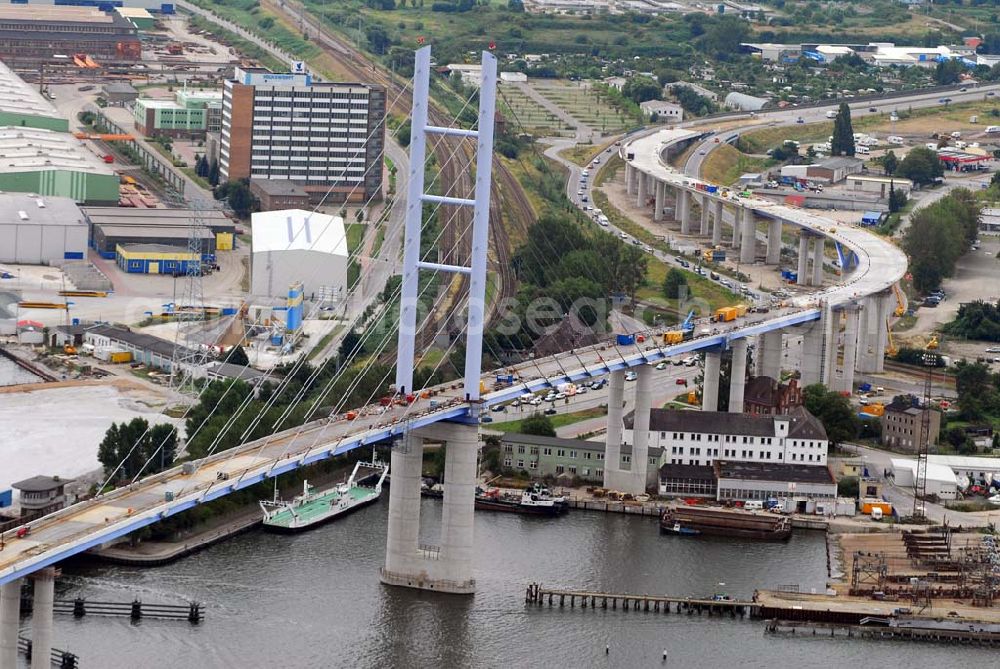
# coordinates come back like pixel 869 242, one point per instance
pixel 314 507
pixel 528 503
pixel 679 530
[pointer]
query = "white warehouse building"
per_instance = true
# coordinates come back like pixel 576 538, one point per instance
pixel 941 480
pixel 702 437
pixel 41 230
pixel 295 245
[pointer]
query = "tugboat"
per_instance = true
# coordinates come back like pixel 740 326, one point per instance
pixel 529 503
pixel 313 507
pixel 679 530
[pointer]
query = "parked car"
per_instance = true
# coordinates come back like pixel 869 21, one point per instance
pixel 630 376
pixel 550 411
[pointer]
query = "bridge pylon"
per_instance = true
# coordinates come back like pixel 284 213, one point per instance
pixel 408 563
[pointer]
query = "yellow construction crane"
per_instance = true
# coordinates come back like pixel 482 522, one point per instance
pixel 933 343
pixel 900 302
pixel 891 349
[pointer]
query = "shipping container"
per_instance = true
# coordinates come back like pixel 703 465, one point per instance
pixel 120 357
pixel 625 339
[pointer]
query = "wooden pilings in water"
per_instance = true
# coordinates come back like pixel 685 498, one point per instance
pixel 956 636
pixel 539 596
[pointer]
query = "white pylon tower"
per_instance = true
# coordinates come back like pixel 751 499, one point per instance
pixel 415 197
pixel 408 563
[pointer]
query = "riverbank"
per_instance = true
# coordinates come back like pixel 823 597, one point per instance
pixel 153 553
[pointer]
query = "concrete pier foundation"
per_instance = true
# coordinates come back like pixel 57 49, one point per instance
pixel 748 236
pixel 717 223
pixel 685 212
pixel 768 355
pixel 774 242
pixel 642 190
pixel 633 480
pixel 705 205
pixel 41 618
pixel 738 377
pixel 850 349
pixel 10 620
pixel 803 276
pixel 710 386
pixel 661 189
pixel 819 246
pixel 613 435
pixel 448 567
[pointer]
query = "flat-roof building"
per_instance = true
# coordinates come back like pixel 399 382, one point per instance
pixel 41 230
pixel 902 427
pixel 767 480
pixel 114 226
pixel 41 33
pixel 327 137
pixel 275 194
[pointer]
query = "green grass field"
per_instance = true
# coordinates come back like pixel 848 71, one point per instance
pixel 558 420
pixel 725 164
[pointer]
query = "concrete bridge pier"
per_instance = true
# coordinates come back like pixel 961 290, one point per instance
pixel 817 350
pixel 10 620
pixel 717 224
pixel 705 203
pixel 884 307
pixel 633 480
pixel 41 618
pixel 734 243
pixel 738 375
pixel 710 386
pixel 447 568
pixel 867 335
pixel 685 211
pixel 803 276
pixel 748 236
pixel 613 436
pixel 774 242
pixel 850 349
pixel 768 354
pixel 642 190
pixel 630 178
pixel 661 189
pixel 819 246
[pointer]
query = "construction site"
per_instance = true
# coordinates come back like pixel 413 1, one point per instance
pixel 922 568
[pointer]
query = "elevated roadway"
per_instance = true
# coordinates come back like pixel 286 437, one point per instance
pixel 107 517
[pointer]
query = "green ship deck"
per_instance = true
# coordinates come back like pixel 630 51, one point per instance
pixel 318 508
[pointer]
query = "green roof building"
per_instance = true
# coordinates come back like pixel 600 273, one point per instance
pixel 45 162
pixel 21 105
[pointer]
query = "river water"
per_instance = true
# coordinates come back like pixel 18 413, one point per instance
pixel 313 600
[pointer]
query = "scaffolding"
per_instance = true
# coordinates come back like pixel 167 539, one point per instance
pixel 869 574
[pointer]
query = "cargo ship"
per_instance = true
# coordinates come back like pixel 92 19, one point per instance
pixel 725 522
pixel 529 502
pixel 314 507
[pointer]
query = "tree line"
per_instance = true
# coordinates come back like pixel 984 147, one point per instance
pixel 976 320
pixel 938 236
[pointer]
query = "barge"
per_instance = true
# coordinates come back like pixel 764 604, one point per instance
pixel 693 521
